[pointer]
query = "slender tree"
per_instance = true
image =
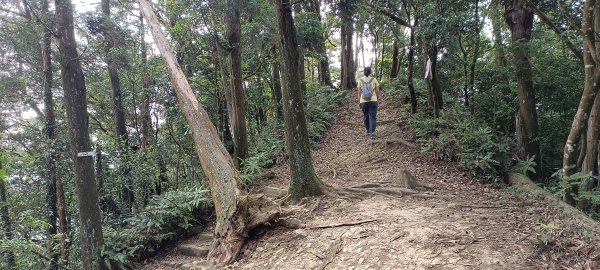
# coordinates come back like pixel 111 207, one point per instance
pixel 49 130
pixel 238 111
pixel 73 83
pixel 347 10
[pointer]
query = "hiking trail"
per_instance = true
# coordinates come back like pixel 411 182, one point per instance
pixel 464 224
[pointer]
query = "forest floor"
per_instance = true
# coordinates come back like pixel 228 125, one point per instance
pixel 466 224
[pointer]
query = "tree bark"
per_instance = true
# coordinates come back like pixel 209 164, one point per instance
pixel 411 58
pixel 276 82
pixel 395 62
pixel 146 116
pixel 348 80
pixel 5 215
pixel 433 83
pixel 73 82
pixel 590 89
pixel 591 154
pixel 497 34
pixel 304 181
pixel 519 18
pixel 49 130
pixel 238 113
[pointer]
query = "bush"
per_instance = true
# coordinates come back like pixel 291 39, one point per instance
pixel 166 217
pixel 458 136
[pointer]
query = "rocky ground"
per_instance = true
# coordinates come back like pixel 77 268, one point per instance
pixel 463 223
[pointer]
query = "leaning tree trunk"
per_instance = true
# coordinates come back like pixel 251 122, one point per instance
pixel 238 113
pixel 519 18
pixel 304 181
pixel 4 215
pixel 236 212
pixel 73 82
pixel 347 31
pixel 51 174
pixel 590 89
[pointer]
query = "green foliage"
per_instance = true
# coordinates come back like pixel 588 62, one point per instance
pixel 458 136
pixel 322 100
pixel 309 29
pixel 525 166
pixel 162 220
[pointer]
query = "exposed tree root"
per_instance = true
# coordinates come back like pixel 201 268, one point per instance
pixel 343 224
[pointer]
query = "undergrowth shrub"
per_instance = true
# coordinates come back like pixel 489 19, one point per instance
pixel 458 136
pixel 164 219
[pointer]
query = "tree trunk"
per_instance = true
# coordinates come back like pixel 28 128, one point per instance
pixel 348 80
pixel 234 216
pixel 226 93
pixel 590 89
pixel 77 116
pixel 146 116
pixel 4 214
pixel 395 62
pixel 51 174
pixel 591 155
pixel 411 58
pixel 497 34
pixel 238 113
pixel 324 73
pixel 118 111
pixel 433 83
pixel 519 18
pixel 276 82
pixel 304 181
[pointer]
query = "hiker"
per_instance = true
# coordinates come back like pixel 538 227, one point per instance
pixel 369 97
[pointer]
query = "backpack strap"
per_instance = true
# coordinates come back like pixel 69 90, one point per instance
pixel 371 80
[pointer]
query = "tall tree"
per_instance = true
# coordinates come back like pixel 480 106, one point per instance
pixel 112 65
pixel 238 111
pixel 304 181
pixel 347 9
pixel 49 128
pixel 411 56
pixel 519 18
pixel 73 83
pixel 276 85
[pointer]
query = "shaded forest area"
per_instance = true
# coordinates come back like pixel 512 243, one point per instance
pixel 125 127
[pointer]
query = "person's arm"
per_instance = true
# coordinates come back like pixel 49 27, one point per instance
pixel 358 91
pixel 378 93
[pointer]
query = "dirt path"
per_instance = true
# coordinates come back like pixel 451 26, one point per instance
pixel 473 227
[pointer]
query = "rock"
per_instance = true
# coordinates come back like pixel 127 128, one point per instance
pixel 193 251
pixel 186 266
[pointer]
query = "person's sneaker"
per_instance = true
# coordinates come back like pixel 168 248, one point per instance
pixel 372 135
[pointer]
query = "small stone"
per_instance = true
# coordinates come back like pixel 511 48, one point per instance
pixel 301 232
pixel 360 261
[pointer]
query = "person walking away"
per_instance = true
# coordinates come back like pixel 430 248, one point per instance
pixel 369 97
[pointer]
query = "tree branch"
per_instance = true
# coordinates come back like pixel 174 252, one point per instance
pixel 556 30
pixel 389 15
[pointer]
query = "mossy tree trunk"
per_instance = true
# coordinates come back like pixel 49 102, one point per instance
pixel 304 181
